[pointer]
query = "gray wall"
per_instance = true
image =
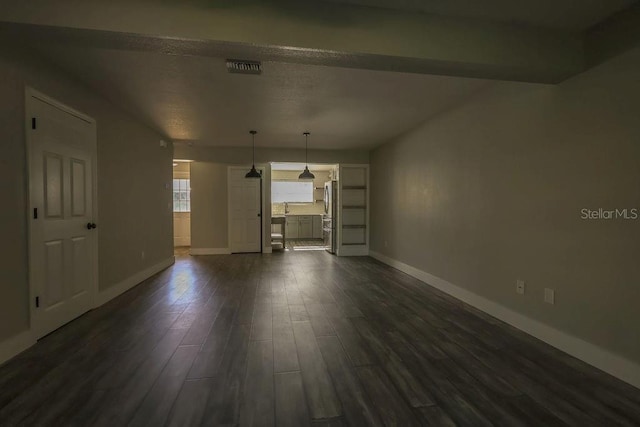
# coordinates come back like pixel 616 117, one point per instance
pixel 209 216
pixel 493 190
pixel 133 202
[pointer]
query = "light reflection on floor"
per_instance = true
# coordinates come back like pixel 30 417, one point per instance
pixel 306 248
pixel 183 278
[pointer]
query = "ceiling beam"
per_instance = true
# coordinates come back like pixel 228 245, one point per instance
pixel 615 35
pixel 313 32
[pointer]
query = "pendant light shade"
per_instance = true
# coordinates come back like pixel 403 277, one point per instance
pixel 306 174
pixel 253 173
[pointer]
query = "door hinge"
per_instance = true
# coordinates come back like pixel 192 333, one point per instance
pixel 37 302
pixel 33 122
pixel 35 213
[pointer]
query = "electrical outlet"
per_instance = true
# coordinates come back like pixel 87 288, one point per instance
pixel 142 255
pixel 386 244
pixel 520 287
pixel 549 296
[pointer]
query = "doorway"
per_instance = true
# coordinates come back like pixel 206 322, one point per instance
pixel 181 206
pixel 300 210
pixel 63 256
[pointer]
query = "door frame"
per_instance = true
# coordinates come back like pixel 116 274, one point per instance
pixel 263 169
pixel 173 220
pixel 31 93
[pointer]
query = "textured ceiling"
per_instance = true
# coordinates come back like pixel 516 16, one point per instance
pixel 195 98
pixel 564 14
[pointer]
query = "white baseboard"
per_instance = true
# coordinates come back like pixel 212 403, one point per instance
pixel 16 345
pixel 210 251
pixel 592 354
pixel 120 288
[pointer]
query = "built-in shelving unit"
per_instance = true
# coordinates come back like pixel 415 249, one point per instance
pixel 353 236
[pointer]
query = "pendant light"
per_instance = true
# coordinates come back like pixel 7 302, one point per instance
pixel 306 174
pixel 253 173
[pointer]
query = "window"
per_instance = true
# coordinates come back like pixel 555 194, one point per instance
pixel 292 191
pixel 182 195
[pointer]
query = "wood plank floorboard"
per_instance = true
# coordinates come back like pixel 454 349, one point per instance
pixel 258 403
pixel 189 406
pixel 294 339
pixel 291 406
pixel 357 406
pixel 321 396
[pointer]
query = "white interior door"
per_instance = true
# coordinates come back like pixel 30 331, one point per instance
pixel 63 258
pixel 245 213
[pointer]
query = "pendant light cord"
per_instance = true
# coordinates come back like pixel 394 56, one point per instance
pixel 253 145
pixel 306 174
pixel 306 149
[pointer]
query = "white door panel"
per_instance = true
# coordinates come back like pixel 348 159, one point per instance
pixel 78 188
pixel 63 260
pixel 54 273
pixel 53 183
pixel 80 265
pixel 245 212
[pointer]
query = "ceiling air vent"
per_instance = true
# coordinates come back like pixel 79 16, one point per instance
pixel 244 67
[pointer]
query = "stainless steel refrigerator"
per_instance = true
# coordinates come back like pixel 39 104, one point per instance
pixel 330 216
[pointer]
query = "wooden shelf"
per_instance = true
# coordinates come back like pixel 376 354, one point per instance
pixel 353 226
pixel 354 187
pixel 354 244
pixel 354 207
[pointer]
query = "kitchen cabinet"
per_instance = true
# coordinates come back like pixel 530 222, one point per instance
pixel 291 227
pixel 316 225
pixel 304 227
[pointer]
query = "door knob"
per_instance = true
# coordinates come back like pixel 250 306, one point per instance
pixel 91 225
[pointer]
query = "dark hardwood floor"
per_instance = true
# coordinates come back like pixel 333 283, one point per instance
pixel 294 339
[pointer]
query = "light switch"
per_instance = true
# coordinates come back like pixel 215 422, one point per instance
pixel 549 296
